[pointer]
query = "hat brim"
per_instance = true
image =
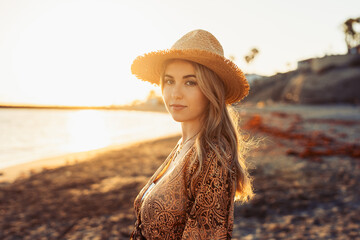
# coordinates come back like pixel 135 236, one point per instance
pixel 148 68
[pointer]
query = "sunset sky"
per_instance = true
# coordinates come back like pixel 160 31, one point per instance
pixel 79 52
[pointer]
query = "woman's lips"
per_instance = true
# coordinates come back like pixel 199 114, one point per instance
pixel 177 107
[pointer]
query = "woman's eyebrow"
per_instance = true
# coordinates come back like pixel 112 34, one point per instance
pixel 189 76
pixel 184 77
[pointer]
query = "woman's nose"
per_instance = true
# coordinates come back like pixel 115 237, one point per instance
pixel 177 92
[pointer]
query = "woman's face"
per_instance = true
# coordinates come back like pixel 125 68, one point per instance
pixel 182 95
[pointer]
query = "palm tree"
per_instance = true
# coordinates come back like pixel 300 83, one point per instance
pixel 352 37
pixel 250 57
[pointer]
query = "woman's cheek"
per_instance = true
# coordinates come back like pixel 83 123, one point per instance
pixel 165 95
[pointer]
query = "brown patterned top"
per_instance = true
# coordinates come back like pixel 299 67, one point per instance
pixel 175 209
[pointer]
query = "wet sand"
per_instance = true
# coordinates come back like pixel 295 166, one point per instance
pixel 306 172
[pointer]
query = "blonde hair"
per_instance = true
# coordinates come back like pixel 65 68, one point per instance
pixel 220 124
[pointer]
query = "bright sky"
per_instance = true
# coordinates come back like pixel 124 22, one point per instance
pixel 79 52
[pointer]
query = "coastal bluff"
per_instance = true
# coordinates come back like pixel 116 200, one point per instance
pixel 331 79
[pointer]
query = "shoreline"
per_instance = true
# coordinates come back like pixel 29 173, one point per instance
pixel 333 111
pixel 304 185
pixel 10 174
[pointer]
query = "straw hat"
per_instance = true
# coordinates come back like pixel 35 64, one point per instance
pixel 201 47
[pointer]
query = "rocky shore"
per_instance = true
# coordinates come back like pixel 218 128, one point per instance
pixel 306 177
pixel 305 170
pixel 330 79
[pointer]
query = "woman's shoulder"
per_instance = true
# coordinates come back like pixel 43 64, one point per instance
pixel 216 164
pixel 214 152
pixel 220 148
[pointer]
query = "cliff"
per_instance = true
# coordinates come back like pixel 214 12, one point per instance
pixel 331 79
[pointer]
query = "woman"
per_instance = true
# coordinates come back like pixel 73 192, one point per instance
pixel 191 195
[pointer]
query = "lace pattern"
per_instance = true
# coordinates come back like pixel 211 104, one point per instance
pixel 174 210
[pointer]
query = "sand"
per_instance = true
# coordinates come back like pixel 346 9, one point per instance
pixel 305 170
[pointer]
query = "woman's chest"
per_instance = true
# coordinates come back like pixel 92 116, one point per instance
pixel 169 195
pixel 165 207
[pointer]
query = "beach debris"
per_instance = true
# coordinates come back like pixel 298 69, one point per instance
pixel 312 145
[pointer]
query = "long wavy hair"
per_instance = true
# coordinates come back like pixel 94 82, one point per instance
pixel 220 123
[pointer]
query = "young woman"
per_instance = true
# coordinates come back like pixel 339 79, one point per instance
pixel 191 195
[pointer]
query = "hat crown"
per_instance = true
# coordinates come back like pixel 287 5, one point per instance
pixel 199 40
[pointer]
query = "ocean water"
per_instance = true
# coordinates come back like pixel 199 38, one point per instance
pixel 31 134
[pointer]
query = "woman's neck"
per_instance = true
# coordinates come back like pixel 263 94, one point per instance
pixel 189 130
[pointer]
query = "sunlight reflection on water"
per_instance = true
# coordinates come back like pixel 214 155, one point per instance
pixel 31 134
pixel 87 130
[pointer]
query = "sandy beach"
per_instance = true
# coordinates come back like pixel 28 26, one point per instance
pixel 305 170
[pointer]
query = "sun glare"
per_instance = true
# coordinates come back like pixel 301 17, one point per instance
pixel 87 130
pixel 79 61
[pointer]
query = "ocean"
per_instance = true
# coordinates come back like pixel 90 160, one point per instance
pixel 31 134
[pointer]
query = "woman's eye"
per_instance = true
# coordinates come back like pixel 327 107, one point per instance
pixel 191 83
pixel 169 81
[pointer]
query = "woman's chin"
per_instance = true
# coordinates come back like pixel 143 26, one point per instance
pixel 177 119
